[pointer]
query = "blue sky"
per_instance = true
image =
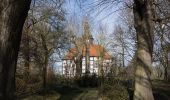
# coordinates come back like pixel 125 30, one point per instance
pixel 107 17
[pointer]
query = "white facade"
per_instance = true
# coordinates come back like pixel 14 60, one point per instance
pixel 69 67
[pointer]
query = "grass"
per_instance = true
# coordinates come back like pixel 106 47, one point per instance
pixel 43 95
pixel 67 93
pixel 55 96
pixel 88 94
pixel 161 90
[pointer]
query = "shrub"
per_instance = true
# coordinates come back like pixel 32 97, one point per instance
pixel 20 85
pixel 113 89
pixel 87 81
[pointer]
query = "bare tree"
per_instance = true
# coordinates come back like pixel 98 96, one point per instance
pixel 73 28
pixel 143 21
pixel 44 36
pixel 162 38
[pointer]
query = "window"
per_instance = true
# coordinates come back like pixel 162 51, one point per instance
pixel 91 58
pixel 83 58
pixel 83 71
pixel 83 63
pixel 91 63
pixel 95 58
pixel 95 64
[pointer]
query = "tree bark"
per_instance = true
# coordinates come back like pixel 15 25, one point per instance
pixel 12 17
pixel 45 71
pixel 87 55
pixel 46 57
pixel 78 63
pixel 166 66
pixel 165 73
pixel 26 52
pixel 144 29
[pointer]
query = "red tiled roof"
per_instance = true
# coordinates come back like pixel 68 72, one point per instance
pixel 94 51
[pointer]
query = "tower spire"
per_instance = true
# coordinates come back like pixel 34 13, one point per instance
pixel 87 33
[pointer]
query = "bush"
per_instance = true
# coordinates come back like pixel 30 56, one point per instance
pixel 114 92
pixel 30 85
pixel 87 81
pixel 20 85
pixel 113 89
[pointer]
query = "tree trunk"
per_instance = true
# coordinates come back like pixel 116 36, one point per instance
pixel 165 73
pixel 166 66
pixel 144 30
pixel 45 71
pixel 78 63
pixel 87 59
pixel 46 56
pixel 12 18
pixel 26 52
pixel 123 55
pixel 164 53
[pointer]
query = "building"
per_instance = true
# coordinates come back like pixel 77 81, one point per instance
pixel 86 56
pixel 90 55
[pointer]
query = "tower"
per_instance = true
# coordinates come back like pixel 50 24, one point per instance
pixel 87 33
pixel 88 39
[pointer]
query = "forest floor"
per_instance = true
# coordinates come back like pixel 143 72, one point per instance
pixel 161 90
pixel 67 93
pixel 79 94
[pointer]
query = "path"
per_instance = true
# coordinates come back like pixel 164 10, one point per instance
pixel 88 94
